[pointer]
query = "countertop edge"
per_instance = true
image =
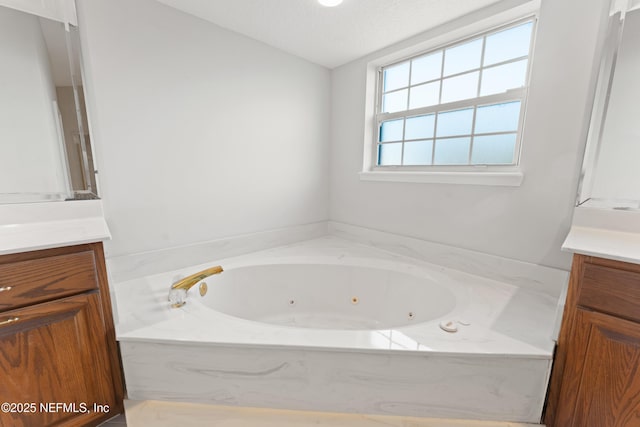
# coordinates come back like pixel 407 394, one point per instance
pixel 604 243
pixel 35 226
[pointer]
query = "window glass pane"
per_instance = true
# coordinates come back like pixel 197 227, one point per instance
pixel 498 118
pixel 396 77
pixel 389 154
pixel 463 57
pixel 455 122
pixel 508 44
pixel 391 130
pixel 417 152
pixel 452 151
pixel 437 98
pixel 394 101
pixel 426 68
pixel 504 77
pixel 424 95
pixel 420 127
pixel 460 87
pixel 493 149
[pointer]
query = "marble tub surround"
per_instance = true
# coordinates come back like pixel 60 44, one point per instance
pixel 132 266
pixel 545 280
pixel 474 387
pixel 504 319
pixel 494 368
pixel 33 226
pixel 170 414
pixel 548 281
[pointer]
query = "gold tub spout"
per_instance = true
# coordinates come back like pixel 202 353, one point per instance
pixel 178 291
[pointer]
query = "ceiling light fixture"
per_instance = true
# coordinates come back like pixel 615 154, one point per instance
pixel 330 3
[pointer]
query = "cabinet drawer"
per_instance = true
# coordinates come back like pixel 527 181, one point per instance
pixel 611 290
pixel 27 282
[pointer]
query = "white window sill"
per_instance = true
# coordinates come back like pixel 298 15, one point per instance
pixel 505 179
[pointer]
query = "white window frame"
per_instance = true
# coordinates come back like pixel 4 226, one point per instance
pixel 504 175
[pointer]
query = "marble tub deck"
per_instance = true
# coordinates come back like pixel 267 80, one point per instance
pixel 496 368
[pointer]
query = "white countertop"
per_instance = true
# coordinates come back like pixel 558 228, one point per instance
pixel 33 226
pixel 605 233
pixel 603 243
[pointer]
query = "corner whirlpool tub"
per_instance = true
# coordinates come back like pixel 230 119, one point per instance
pixel 332 325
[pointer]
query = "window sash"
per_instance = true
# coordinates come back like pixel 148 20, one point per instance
pixel 511 95
pixel 448 76
pixel 516 95
pixel 498 98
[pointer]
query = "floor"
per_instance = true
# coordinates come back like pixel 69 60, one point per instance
pixel 168 414
pixel 119 421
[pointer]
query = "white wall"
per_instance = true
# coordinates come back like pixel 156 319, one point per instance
pixel 527 223
pixel 58 10
pixel 617 174
pixel 30 160
pixel 199 132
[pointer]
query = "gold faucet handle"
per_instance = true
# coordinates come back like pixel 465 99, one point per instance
pixel 189 281
pixel 178 291
pixel 204 273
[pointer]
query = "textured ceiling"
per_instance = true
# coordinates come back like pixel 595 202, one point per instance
pixel 328 36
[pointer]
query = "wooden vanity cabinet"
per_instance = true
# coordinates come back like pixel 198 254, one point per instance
pixel 596 375
pixel 58 356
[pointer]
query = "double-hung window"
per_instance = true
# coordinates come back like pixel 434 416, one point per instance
pixel 456 108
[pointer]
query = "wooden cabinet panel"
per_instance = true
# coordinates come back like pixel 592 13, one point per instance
pixel 603 364
pixel 31 281
pixel 52 353
pixel 595 380
pixel 59 356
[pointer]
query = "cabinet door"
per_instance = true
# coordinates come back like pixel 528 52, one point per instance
pixel 601 381
pixel 54 354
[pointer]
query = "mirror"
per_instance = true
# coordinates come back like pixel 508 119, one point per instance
pixel 45 148
pixel 611 168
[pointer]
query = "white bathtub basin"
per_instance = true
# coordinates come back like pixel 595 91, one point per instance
pixel 328 296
